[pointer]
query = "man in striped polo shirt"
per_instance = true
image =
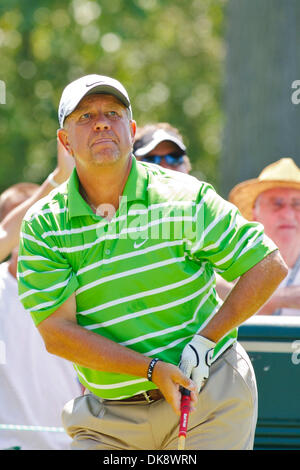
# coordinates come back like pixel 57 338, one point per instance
pixel 117 268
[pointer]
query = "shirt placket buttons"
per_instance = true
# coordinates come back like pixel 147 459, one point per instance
pixel 107 250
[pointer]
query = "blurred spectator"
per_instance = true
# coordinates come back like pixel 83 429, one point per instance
pixel 35 385
pixel 161 144
pixel 10 225
pixel 28 373
pixel 274 200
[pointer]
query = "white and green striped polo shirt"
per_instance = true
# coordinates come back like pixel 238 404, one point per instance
pixel 146 278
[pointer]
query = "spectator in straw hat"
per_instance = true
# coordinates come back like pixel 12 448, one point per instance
pixel 274 200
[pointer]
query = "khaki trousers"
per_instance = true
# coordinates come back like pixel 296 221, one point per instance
pixel 225 418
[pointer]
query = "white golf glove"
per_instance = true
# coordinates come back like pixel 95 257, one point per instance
pixel 196 359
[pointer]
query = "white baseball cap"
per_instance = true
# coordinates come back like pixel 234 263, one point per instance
pixel 87 85
pixel 151 139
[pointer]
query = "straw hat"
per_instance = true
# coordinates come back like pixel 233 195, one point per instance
pixel 282 174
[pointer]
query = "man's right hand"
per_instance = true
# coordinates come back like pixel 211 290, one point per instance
pixel 169 379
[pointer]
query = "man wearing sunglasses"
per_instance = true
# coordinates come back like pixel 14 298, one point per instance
pixel 161 144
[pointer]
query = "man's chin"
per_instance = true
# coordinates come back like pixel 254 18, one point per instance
pixel 105 159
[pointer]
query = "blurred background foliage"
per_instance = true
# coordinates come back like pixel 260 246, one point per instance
pixel 261 120
pixel 169 54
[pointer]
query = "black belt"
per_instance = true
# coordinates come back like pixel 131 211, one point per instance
pixel 149 396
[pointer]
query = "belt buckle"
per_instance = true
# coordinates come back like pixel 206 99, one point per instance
pixel 148 398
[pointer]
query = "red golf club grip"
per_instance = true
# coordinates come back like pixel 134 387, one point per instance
pixel 185 410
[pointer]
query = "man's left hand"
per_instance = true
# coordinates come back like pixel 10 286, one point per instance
pixel 196 359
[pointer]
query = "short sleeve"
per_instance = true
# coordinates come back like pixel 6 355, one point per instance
pixel 225 239
pixel 45 277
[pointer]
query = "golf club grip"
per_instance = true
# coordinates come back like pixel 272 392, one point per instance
pixel 185 410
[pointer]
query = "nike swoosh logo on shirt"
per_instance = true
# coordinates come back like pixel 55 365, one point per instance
pixel 137 245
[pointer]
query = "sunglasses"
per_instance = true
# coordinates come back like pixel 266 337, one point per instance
pixel 171 159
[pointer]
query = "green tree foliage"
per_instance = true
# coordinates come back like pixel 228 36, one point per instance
pixel 168 53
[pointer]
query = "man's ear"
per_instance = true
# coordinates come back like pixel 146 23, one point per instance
pixel 132 129
pixel 62 135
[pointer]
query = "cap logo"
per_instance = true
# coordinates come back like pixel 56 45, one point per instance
pixel 91 84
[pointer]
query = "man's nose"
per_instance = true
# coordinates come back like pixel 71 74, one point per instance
pixel 164 164
pixel 101 123
pixel 288 212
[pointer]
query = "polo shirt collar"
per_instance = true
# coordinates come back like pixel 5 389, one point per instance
pixel 137 182
pixel 135 189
